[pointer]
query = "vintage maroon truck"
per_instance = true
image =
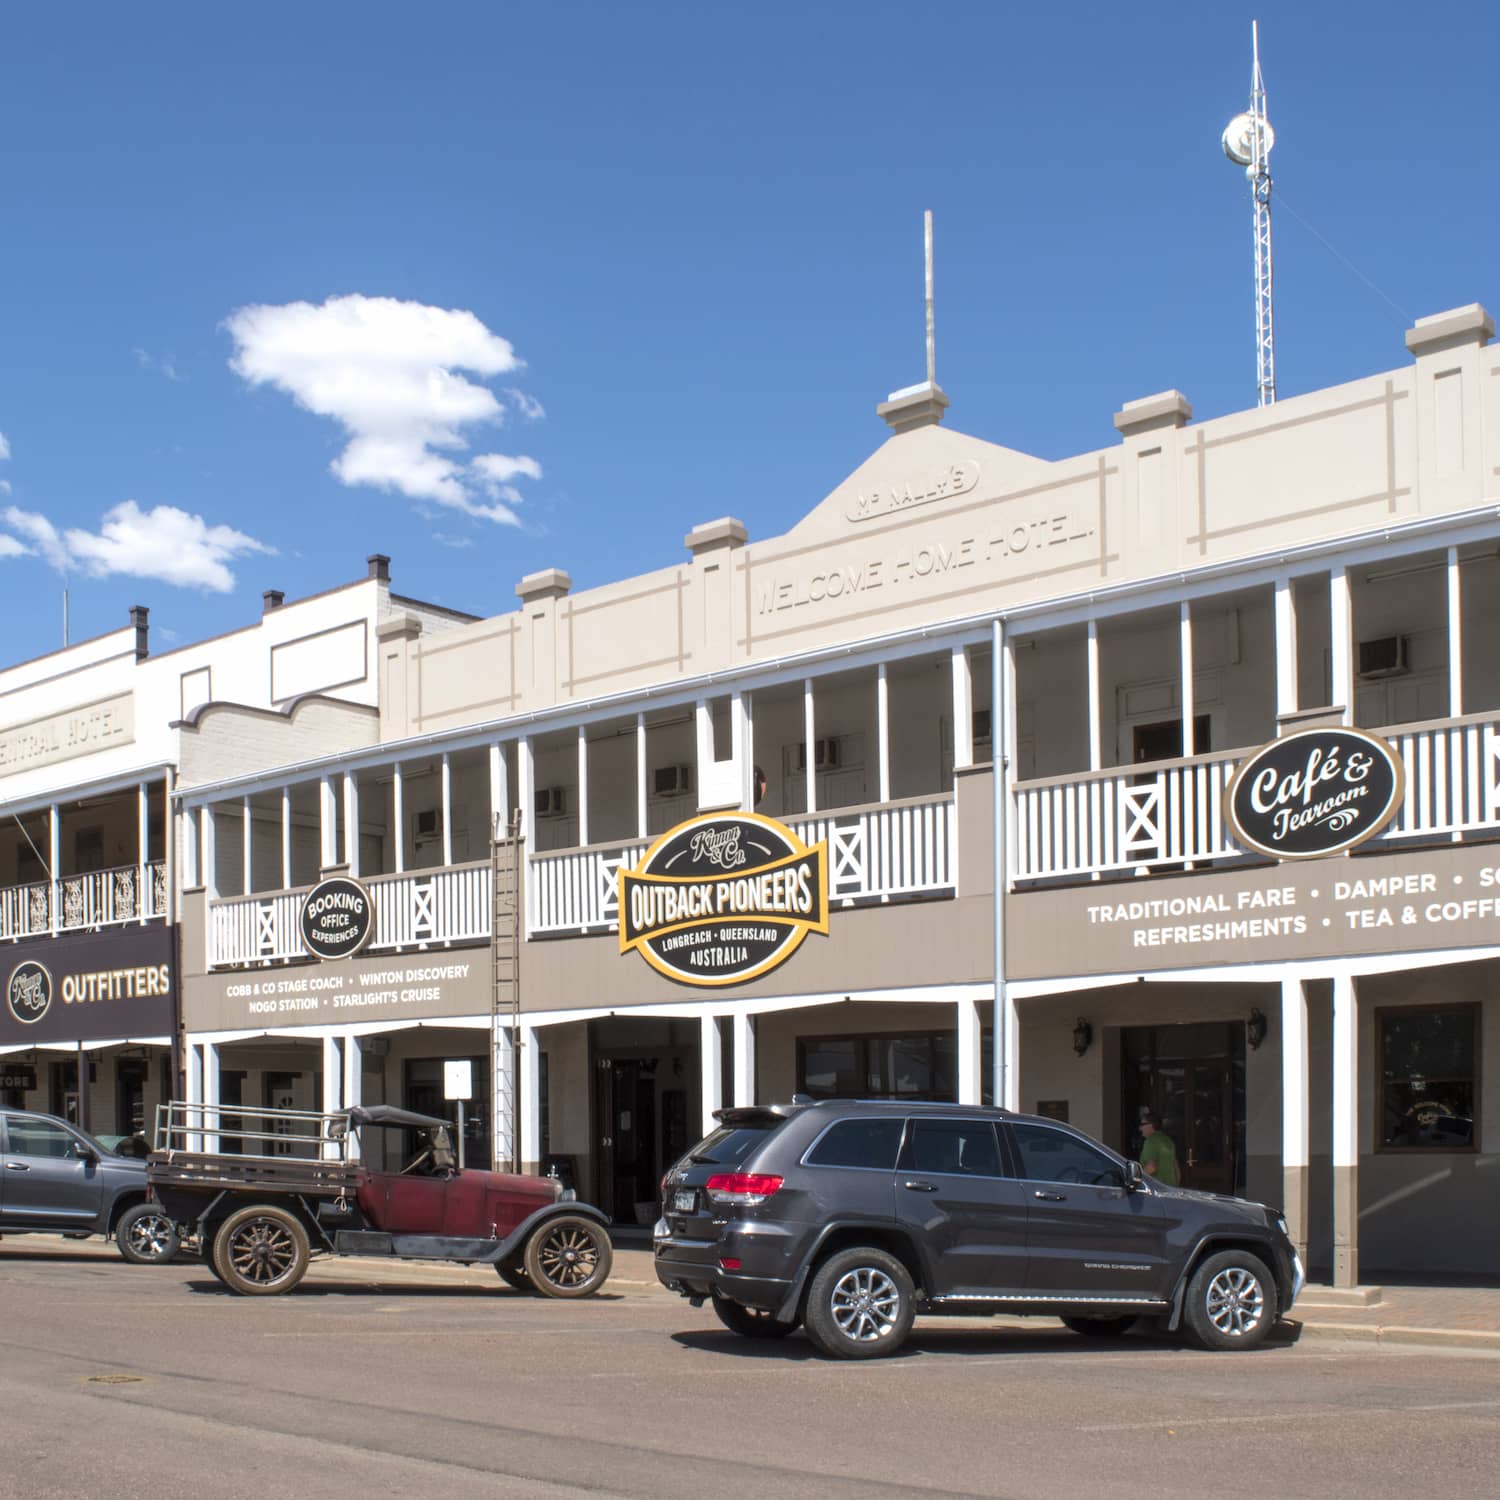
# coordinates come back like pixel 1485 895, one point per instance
pixel 267 1189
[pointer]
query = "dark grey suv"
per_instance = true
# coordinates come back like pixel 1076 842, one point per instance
pixel 850 1217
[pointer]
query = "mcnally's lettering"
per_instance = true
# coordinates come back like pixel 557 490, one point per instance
pixel 956 479
pixel 1314 793
pixel 723 898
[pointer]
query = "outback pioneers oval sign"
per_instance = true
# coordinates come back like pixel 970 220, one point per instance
pixel 723 898
pixel 337 919
pixel 29 993
pixel 1313 793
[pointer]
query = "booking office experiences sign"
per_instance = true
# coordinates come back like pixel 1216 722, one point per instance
pixel 723 898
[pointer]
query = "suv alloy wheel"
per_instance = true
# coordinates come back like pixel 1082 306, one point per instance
pixel 1231 1301
pixel 146 1235
pixel 860 1305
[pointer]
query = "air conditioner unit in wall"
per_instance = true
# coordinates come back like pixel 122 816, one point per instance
pixel 551 801
pixel 1382 657
pixel 671 781
pixel 825 753
pixel 980 722
pixel 424 823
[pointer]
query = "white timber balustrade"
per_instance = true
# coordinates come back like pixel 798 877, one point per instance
pixel 880 852
pixel 1171 813
pixel 417 910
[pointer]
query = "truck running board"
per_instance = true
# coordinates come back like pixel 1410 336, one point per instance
pixel 413 1246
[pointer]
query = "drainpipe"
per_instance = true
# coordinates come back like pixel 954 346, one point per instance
pixel 999 742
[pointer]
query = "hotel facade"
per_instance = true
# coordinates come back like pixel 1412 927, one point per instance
pixel 977 713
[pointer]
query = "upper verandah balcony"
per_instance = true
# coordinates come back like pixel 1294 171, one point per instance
pixel 877 784
pixel 1129 729
pixel 84 863
pixel 1103 713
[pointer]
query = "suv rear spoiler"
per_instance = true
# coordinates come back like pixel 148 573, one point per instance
pixel 765 1115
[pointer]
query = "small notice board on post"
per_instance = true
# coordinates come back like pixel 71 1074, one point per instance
pixel 458 1079
pixel 458 1086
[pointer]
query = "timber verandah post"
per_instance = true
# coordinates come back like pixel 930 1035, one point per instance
pixel 1006 1087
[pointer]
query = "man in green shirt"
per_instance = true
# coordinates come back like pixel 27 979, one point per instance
pixel 1158 1154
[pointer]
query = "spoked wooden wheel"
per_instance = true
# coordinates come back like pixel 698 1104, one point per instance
pixel 569 1256
pixel 260 1251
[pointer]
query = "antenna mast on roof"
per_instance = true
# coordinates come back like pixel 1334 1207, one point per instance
pixel 1247 140
pixel 931 341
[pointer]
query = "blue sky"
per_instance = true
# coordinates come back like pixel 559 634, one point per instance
pixel 264 269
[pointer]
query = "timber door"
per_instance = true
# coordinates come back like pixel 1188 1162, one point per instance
pixel 1205 1155
pixel 625 1109
pixel 1193 1076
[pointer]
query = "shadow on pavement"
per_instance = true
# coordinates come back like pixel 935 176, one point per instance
pixel 973 1339
pixel 211 1286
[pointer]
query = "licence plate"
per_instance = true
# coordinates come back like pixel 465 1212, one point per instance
pixel 684 1201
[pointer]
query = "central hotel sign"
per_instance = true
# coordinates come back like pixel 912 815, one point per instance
pixel 62 736
pixel 723 898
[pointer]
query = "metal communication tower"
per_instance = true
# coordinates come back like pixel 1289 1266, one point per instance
pixel 1247 140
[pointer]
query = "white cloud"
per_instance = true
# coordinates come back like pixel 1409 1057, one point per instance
pixel 4 447
pixel 163 543
pixel 42 535
pixel 526 404
pixel 388 373
pixel 163 364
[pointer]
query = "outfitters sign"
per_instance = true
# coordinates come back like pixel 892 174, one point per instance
pixel 1314 793
pixel 88 987
pixel 723 898
pixel 337 919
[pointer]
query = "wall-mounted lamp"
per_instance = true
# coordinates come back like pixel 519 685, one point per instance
pixel 1083 1034
pixel 1255 1030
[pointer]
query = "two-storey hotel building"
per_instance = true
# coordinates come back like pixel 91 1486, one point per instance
pixel 1008 697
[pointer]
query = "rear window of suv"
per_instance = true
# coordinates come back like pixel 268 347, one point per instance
pixel 858 1143
pixel 730 1145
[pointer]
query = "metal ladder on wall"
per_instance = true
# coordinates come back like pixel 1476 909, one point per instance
pixel 505 976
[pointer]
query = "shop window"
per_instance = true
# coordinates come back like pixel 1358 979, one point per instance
pixel 1428 1071
pixel 130 1097
pixel 921 1066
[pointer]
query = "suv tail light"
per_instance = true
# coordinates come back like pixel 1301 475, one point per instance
pixel 741 1187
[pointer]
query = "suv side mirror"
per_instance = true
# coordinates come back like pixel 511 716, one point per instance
pixel 84 1151
pixel 1135 1178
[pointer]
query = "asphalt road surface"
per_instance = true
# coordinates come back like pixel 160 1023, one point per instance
pixel 127 1382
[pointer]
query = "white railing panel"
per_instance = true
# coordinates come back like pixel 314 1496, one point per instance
pixel 874 853
pixel 416 910
pixel 1172 815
